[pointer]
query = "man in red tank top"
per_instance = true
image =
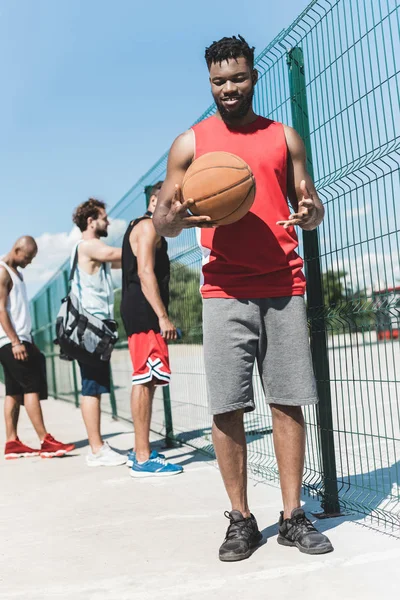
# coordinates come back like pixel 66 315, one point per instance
pixel 252 288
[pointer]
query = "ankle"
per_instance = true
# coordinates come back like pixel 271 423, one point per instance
pixel 96 447
pixel 243 509
pixel 287 510
pixel 142 456
pixel 12 438
pixel 42 436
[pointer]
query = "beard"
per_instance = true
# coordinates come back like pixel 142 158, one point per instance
pixel 231 116
pixel 102 233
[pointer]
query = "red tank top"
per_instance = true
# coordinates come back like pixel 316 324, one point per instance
pixel 254 257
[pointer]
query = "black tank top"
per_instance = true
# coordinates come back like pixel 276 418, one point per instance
pixel 136 312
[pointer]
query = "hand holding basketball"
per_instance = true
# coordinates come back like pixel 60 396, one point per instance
pixel 306 211
pixel 178 216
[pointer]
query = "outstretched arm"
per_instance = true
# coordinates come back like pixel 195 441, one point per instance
pixel 171 214
pixel 301 191
pixel 98 250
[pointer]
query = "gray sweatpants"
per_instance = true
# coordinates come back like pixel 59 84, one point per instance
pixel 271 331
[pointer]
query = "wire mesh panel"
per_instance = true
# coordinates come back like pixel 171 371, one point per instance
pixel 351 65
pixel 334 74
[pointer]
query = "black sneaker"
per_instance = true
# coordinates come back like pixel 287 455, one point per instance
pixel 299 531
pixel 242 536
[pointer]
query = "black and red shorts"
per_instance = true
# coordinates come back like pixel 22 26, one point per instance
pixel 150 360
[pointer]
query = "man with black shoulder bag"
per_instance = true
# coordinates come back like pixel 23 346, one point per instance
pixel 91 284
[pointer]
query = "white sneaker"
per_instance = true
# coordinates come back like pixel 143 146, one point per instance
pixel 105 457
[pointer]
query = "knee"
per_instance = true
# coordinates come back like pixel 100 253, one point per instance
pixel 281 412
pixel 226 421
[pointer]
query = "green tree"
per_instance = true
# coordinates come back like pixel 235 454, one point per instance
pixel 346 310
pixel 334 287
pixel 185 307
pixel 117 315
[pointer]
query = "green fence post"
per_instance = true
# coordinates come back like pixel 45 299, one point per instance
pixel 36 320
pixel 113 400
pixel 50 341
pixel 75 380
pixel 315 299
pixel 169 430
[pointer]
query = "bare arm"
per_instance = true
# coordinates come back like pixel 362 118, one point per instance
pixel 98 250
pixel 18 348
pixel 146 244
pixel 171 214
pixel 301 191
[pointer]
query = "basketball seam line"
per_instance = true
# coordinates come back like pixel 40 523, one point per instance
pixel 240 206
pixel 217 167
pixel 220 167
pixel 226 189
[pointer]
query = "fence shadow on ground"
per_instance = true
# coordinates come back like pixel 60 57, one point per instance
pixel 368 506
pixel 354 508
pixel 363 496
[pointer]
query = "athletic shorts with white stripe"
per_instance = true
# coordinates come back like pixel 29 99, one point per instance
pixel 150 359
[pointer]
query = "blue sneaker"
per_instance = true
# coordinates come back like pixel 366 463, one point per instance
pixel 132 456
pixel 155 467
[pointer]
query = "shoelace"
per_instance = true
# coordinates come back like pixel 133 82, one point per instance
pixel 304 524
pixel 159 460
pixel 236 527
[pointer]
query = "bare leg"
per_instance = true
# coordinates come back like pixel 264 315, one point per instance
pixel 34 411
pixel 230 447
pixel 11 413
pixel 289 442
pixel 141 406
pixel 90 406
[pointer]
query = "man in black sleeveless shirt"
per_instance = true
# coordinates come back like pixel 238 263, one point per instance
pixel 144 306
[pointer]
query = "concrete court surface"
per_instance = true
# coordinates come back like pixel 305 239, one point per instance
pixel 68 532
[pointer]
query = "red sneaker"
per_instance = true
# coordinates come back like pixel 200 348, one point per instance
pixel 50 447
pixel 16 449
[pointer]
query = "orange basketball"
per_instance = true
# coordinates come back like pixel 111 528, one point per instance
pixel 221 185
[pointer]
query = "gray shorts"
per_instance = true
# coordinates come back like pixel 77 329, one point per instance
pixel 271 331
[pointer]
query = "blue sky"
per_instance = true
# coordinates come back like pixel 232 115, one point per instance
pixel 95 91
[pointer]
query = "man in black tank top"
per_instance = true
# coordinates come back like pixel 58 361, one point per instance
pixel 144 312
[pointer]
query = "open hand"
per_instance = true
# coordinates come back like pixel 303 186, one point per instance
pixel 307 210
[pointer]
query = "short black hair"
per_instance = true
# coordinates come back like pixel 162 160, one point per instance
pixel 155 189
pixel 229 47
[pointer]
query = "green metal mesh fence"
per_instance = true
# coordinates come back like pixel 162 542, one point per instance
pixel 334 75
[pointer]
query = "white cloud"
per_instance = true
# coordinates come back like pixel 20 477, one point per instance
pixel 358 211
pixel 116 231
pixel 55 248
pixel 372 270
